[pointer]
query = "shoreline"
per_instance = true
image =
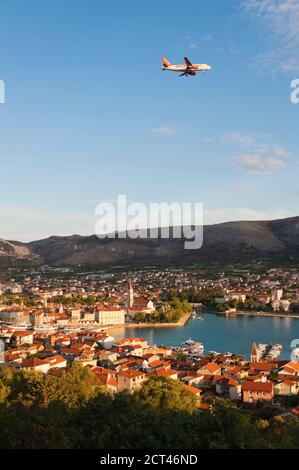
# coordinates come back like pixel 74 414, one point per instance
pixel 184 320
pixel 181 323
pixel 257 314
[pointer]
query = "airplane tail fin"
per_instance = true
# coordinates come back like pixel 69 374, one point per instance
pixel 165 62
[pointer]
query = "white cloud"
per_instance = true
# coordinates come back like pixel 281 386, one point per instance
pixel 165 131
pixel 216 216
pixel 240 138
pixel 257 164
pixel 280 152
pixel 279 22
pixel 239 188
pixel 260 156
pixel 194 45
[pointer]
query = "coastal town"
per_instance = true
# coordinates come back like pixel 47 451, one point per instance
pixel 54 318
pixel 62 296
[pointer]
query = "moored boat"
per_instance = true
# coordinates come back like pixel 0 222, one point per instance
pixel 193 346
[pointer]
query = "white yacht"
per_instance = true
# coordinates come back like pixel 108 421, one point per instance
pixel 195 346
pixel 45 328
pixel 21 326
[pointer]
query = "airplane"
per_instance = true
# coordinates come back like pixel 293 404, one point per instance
pixel 187 69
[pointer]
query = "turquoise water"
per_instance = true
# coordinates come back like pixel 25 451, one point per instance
pixel 223 334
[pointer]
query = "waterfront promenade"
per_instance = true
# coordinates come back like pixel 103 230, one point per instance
pixel 257 314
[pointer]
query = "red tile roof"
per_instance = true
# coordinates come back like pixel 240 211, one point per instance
pixel 130 374
pixel 263 366
pixel 23 333
pixel 249 386
pixel 32 362
pixel 194 390
pixel 162 373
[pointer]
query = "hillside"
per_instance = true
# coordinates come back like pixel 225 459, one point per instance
pixel 16 254
pixel 227 242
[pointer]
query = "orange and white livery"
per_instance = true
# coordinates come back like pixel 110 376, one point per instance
pixel 187 69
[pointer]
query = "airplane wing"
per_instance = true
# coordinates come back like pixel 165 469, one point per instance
pixel 187 62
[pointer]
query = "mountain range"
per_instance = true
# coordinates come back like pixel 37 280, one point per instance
pixel 236 242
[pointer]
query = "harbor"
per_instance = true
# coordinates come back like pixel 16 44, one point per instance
pixel 215 332
pixel 223 334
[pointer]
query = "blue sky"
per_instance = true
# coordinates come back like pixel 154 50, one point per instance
pixel 89 115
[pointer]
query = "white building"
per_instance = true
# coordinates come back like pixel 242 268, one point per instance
pixel 285 305
pixel 110 316
pixel 277 294
pixel 107 342
pixel 281 305
pixel 238 296
pixel 130 380
pixel 141 306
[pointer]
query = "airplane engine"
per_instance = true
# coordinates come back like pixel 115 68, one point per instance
pixel 192 73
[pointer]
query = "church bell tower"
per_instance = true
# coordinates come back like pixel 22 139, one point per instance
pixel 130 295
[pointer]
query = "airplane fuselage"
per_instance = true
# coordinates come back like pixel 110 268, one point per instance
pixel 184 68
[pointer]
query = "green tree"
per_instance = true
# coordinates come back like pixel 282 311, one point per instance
pixel 76 385
pixel 227 427
pixel 4 392
pixel 167 394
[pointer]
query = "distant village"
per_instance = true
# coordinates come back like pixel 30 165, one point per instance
pixel 59 297
pixel 72 316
